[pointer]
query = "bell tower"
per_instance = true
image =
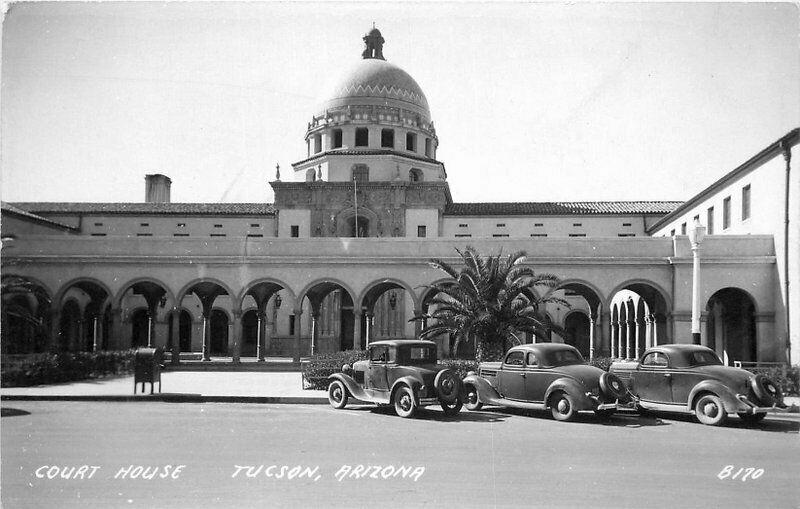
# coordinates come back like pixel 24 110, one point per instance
pixel 374 44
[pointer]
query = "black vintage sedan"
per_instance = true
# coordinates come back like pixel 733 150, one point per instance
pixel 541 376
pixel 691 378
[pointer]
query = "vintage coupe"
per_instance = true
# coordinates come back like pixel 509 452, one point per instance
pixel 541 376
pixel 402 373
pixel 691 378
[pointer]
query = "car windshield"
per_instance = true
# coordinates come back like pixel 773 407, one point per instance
pixel 421 355
pixel 564 358
pixel 703 359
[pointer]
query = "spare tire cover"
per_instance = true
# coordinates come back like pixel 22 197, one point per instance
pixel 448 386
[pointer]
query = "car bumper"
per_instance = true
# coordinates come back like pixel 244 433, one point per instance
pixel 751 408
pixel 428 401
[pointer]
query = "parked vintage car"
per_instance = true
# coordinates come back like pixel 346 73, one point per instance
pixel 541 376
pixel 402 373
pixel 691 378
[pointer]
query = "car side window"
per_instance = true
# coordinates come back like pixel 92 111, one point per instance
pixel 532 360
pixel 515 359
pixel 655 360
pixel 378 354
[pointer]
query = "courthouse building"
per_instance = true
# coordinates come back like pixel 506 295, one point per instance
pixel 340 258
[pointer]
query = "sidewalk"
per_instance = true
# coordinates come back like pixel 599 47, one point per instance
pixel 181 386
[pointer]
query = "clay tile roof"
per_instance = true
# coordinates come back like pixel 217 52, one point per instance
pixel 7 208
pixel 216 209
pixel 560 208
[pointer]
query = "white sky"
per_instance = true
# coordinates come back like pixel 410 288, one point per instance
pixel 532 102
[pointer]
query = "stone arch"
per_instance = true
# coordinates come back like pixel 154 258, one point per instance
pixel 333 312
pixel 632 284
pixel 344 216
pixel 659 305
pixel 32 280
pixel 583 288
pixel 731 329
pixel 364 298
pixel 386 317
pixel 266 280
pixel 25 315
pixel 183 291
pixel 77 281
pixel 117 300
pixel 328 280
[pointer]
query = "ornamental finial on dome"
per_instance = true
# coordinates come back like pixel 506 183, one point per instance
pixel 374 44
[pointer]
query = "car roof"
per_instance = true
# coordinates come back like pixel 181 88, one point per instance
pixel 402 342
pixel 542 348
pixel 679 348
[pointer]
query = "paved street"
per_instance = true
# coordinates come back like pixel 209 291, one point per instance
pixel 186 455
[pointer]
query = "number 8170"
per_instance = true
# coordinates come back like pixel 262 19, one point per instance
pixel 749 473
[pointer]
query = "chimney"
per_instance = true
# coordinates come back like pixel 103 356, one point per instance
pixel 157 188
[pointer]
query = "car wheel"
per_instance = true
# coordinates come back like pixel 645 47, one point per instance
pixel 337 394
pixel 562 407
pixel 450 409
pixel 471 398
pixel 605 414
pixel 752 418
pixel 404 403
pixel 709 410
pixel 766 390
pixel 448 386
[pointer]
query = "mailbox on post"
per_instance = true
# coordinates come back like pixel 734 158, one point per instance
pixel 147 363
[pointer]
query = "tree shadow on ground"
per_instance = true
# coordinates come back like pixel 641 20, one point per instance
pixel 12 412
pixel 431 414
pixel 619 419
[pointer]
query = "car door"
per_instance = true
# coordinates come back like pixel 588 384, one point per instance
pixel 537 379
pixel 653 380
pixel 511 377
pixel 376 373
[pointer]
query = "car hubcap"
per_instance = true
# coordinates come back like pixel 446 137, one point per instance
pixel 710 409
pixel 563 406
pixel 472 397
pixel 337 394
pixel 405 402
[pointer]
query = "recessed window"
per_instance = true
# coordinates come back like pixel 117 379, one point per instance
pixel 578 225
pixel 710 220
pixel 428 147
pixel 499 235
pixel 144 234
pixel 538 225
pixel 422 231
pixel 255 225
pixel 672 233
pixel 626 235
pixel 180 225
pixel 463 235
pixel 362 137
pixel 361 173
pixel 746 202
pixel 295 231
pixel 180 234
pixel 463 225
pixel 336 138
pixel 317 143
pixel 501 225
pixel 415 175
pixel 577 234
pixel 411 142
pixel 387 138
pixel 217 226
pixel 626 224
pixel 98 234
pixel 538 235
pixel 726 213
pixel 254 235
pixel 144 224
pixel 218 235
pixel 98 224
pixel 683 229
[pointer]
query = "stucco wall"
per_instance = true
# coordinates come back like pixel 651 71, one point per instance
pixel 551 226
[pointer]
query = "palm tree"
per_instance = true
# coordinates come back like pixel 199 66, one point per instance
pixel 489 301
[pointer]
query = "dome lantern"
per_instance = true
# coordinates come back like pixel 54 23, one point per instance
pixel 373 42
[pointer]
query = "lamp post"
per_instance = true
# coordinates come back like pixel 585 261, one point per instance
pixel 696 235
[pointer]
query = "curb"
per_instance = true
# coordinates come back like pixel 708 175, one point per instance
pixel 176 398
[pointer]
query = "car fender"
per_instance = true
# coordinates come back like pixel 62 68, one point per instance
pixel 410 381
pixel 729 399
pixel 352 386
pixel 574 389
pixel 486 392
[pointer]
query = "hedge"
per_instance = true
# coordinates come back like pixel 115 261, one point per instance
pixel 320 366
pixel 787 377
pixel 601 362
pixel 67 367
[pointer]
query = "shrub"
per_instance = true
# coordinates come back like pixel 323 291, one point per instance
pixel 460 366
pixel 601 362
pixel 320 366
pixel 67 367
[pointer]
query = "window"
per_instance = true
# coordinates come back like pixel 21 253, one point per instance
pixel 578 225
pixel 696 218
pixel 180 234
pixel 428 146
pixel 336 138
pixel 626 235
pixel 180 225
pixel 655 359
pixel 499 235
pixel 577 234
pixel 538 225
pixel 726 213
pixel 501 225
pixel 98 224
pixel 254 235
pixel 217 226
pixel 317 143
pixel 218 235
pixel 532 360
pixel 411 142
pixel 291 325
pixel 144 224
pixel 98 234
pixel 626 224
pixel 362 137
pixel 415 175
pixel 144 234
pixel 746 202
pixel 361 173
pixel 295 231
pixel 515 358
pixel 463 235
pixel 683 229
pixel 672 233
pixel 538 235
pixel 422 231
pixel 387 138
pixel 378 354
pixel 710 220
pixel 255 225
pixel 463 225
